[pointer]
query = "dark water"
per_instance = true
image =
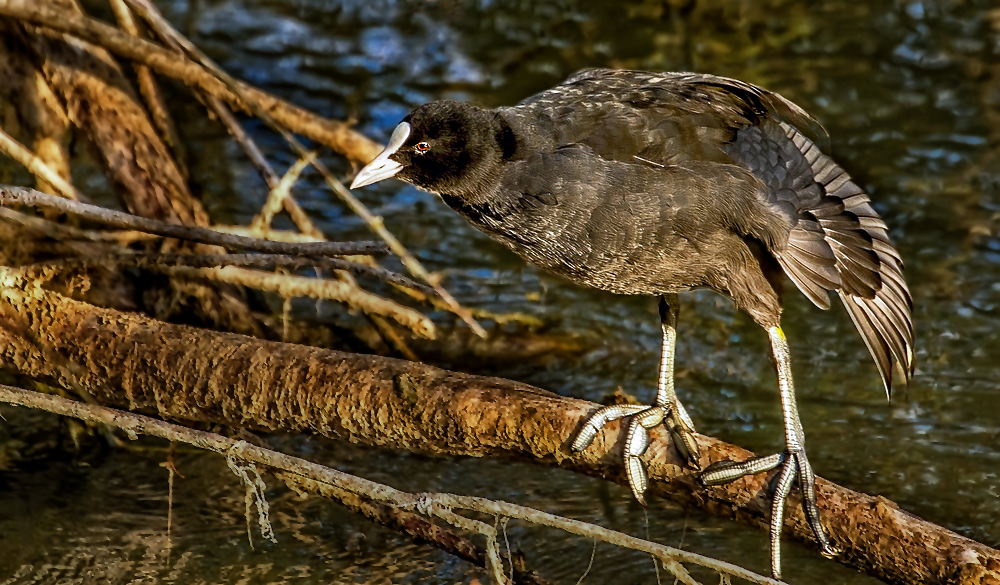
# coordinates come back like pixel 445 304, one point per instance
pixel 907 90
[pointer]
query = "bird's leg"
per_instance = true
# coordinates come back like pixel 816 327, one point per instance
pixel 667 409
pixel 677 419
pixel 793 462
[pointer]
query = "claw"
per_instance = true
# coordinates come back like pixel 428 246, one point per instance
pixel 793 465
pixel 807 483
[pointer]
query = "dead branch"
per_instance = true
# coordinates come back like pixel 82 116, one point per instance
pixel 246 143
pixel 298 286
pixel 156 21
pixel 36 114
pixel 37 167
pixel 150 91
pixel 440 505
pixel 278 198
pixel 259 261
pixel 101 103
pixel 337 135
pixel 60 231
pixel 37 199
pixel 245 382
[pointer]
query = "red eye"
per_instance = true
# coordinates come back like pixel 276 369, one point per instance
pixel 422 147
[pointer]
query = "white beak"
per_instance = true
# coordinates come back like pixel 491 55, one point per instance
pixel 383 167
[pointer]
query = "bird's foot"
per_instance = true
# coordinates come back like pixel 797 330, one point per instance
pixel 644 418
pixel 794 465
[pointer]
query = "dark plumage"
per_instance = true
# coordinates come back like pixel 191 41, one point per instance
pixel 659 183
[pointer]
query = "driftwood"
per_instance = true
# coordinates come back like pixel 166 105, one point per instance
pixel 190 374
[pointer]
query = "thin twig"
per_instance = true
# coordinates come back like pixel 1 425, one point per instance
pixel 37 167
pixel 440 505
pixel 259 261
pixel 211 266
pixel 299 286
pixel 156 21
pixel 335 134
pixel 33 198
pixel 287 236
pixel 60 231
pixel 281 191
pixel 420 528
pixel 264 169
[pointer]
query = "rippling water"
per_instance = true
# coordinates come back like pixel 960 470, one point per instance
pixel 910 92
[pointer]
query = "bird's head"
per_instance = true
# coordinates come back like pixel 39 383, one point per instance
pixel 444 147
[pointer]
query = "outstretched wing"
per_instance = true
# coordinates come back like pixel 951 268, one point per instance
pixel 838 242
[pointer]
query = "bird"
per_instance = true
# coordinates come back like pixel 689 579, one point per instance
pixel 658 183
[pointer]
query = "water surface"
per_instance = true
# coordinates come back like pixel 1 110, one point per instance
pixel 907 91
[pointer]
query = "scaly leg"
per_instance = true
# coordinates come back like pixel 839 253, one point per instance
pixel 793 462
pixel 667 409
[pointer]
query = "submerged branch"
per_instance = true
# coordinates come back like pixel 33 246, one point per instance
pixel 245 382
pixel 440 505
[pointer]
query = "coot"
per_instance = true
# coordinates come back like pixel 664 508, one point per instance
pixel 659 183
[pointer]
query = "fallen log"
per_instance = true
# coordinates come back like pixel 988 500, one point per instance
pixel 190 374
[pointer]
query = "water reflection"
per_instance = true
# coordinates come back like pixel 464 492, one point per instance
pixel 905 89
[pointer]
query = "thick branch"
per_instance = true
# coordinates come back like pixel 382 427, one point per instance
pixel 122 360
pixel 334 134
pixel 150 91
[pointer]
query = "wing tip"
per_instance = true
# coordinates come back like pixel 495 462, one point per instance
pixel 890 348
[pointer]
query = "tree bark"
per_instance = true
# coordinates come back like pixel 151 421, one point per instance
pixel 191 374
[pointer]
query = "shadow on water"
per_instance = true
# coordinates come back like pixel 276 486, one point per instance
pixel 907 91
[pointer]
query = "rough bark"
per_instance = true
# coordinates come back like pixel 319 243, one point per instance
pixel 101 103
pixel 150 91
pixel 186 373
